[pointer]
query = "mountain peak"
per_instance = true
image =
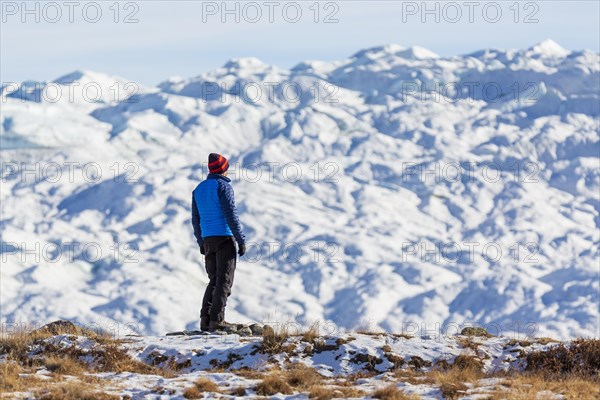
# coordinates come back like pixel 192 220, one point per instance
pixel 548 47
pixel 418 53
pixel 245 63
pixel 385 49
pixel 88 76
pixel 413 52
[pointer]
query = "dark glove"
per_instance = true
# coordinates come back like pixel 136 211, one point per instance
pixel 201 248
pixel 242 249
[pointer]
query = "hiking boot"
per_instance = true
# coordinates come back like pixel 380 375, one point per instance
pixel 222 326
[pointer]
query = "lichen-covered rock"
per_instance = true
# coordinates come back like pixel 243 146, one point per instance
pixel 257 330
pixel 475 331
pixel 64 327
pixel 245 331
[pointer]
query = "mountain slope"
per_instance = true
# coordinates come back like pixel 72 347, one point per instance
pixel 391 189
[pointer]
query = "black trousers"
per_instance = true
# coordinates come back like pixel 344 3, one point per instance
pixel 220 258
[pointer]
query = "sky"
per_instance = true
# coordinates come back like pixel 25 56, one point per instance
pixel 150 41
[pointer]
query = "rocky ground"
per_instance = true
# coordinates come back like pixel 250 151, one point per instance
pixel 63 361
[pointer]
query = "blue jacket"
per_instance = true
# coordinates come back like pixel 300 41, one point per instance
pixel 213 210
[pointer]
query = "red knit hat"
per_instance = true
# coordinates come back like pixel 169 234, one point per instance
pixel 217 164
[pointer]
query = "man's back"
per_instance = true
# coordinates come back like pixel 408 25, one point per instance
pixel 212 221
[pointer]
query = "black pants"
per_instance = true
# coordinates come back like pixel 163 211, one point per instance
pixel 220 258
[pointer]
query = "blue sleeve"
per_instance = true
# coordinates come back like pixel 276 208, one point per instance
pixel 196 222
pixel 228 206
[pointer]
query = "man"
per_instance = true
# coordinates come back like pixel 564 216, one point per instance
pixel 217 228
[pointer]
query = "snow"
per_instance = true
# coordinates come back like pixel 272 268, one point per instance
pixel 549 48
pixel 366 225
pixel 221 357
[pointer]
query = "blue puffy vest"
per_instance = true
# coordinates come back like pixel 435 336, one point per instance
pixel 212 221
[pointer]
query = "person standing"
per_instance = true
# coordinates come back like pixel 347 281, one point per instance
pixel 217 229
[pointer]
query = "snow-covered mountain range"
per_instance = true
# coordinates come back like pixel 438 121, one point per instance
pixel 394 189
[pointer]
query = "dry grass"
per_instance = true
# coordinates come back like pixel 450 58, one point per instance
pixel 64 365
pixel 391 392
pixel 546 340
pixel 73 391
pixel 469 363
pixel 370 333
pixel 16 345
pixel 238 391
pixel 311 334
pixel 533 387
pixel 206 385
pixel 273 384
pixel 302 377
pixel 452 378
pixel 468 343
pixel 202 385
pixel 192 392
pixel 515 342
pixel 107 357
pixel 10 381
pixel 350 379
pixel 249 373
pixel 411 376
pixel 580 359
pixel 273 342
pixel 341 341
pixel 18 348
pixel 349 392
pixel 403 336
pixel 326 393
pixel 318 343
pixel 111 358
pixel 321 393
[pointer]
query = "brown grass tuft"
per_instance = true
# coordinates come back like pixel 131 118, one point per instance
pixel 302 377
pixel 348 392
pixel 238 391
pixel 192 392
pixel 321 393
pixel 73 391
pixel 468 363
pixel 453 390
pixel 451 378
pixel 391 392
pixel 273 342
pixel 64 365
pixel 468 343
pixel 10 381
pixel 546 340
pixel 206 385
pixel 311 334
pixel 248 373
pixel 273 384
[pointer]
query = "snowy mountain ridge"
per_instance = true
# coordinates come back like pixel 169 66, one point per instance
pixel 393 188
